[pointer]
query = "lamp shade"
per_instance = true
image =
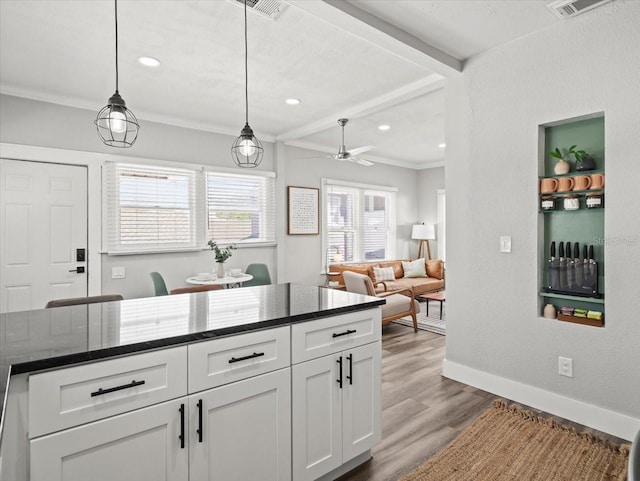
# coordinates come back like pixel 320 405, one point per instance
pixel 423 232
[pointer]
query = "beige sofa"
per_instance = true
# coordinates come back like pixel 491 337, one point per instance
pixel 420 285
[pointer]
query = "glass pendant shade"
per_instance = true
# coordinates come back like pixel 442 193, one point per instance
pixel 116 124
pixel 247 150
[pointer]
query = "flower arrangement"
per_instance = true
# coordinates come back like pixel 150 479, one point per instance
pixel 221 254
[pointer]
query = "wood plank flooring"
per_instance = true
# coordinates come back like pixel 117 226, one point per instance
pixel 422 412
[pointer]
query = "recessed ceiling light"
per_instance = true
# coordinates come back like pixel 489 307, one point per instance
pixel 384 127
pixel 442 146
pixel 149 61
pixel 293 101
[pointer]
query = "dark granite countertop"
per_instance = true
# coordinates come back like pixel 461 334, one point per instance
pixel 51 338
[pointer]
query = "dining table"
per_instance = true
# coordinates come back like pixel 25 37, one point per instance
pixel 227 281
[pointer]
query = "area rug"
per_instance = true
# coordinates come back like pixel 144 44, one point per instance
pixel 432 322
pixel 507 443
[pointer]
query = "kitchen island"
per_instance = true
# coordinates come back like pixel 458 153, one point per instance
pixel 272 382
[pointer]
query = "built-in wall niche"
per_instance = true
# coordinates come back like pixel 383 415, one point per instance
pixel 571 210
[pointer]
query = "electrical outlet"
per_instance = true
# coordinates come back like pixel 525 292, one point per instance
pixel 565 366
pixel 117 273
pixel 505 244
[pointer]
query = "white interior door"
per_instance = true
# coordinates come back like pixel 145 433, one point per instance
pixel 43 222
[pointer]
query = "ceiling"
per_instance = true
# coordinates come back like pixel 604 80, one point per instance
pixel 372 61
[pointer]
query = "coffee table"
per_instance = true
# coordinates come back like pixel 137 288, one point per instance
pixel 434 296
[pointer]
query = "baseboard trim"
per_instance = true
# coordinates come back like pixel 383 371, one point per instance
pixel 595 417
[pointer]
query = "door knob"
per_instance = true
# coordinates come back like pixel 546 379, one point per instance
pixel 79 269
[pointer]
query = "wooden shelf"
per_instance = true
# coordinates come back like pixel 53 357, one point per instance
pixel 581 320
pixel 574 173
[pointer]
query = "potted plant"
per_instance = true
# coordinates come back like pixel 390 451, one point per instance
pixel 221 255
pixel 562 166
pixel 584 161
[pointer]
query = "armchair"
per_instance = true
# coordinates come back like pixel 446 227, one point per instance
pixel 398 304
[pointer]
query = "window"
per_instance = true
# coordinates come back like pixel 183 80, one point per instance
pixel 359 221
pixel 153 209
pixel 240 208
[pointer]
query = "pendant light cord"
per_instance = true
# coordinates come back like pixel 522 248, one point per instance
pixel 246 68
pixel 116 8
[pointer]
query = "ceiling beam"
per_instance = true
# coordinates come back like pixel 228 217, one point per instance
pixel 362 24
pixel 407 92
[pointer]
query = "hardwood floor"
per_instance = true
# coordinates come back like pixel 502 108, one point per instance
pixel 422 412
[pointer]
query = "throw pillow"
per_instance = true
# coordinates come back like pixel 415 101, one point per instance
pixel 435 268
pixel 384 274
pixel 414 268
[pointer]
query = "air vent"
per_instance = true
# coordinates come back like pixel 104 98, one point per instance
pixel 571 8
pixel 267 8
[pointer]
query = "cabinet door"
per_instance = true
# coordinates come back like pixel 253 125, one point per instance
pixel 142 445
pixel 317 417
pixel 245 432
pixel 361 400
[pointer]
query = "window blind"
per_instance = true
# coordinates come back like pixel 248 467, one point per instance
pixel 153 209
pixel 240 208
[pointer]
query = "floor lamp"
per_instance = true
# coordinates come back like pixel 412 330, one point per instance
pixel 423 233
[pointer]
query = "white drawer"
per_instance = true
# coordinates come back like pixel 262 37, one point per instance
pixel 221 361
pixel 77 395
pixel 318 338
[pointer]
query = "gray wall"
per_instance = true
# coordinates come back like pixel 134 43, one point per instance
pixel 584 65
pixel 430 181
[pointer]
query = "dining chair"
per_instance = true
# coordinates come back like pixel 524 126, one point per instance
pixel 198 288
pixel 260 273
pixel 75 301
pixel 398 305
pixel 159 286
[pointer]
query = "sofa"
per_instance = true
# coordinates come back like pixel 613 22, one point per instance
pixel 434 280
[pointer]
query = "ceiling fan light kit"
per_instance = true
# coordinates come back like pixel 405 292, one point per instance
pixel 117 126
pixel 247 150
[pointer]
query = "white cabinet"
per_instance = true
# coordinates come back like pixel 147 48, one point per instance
pixel 336 401
pixel 242 431
pixel 143 445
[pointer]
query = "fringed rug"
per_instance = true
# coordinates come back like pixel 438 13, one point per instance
pixel 432 322
pixel 507 443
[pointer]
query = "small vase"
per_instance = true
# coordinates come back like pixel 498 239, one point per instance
pixel 562 167
pixel 220 269
pixel 549 311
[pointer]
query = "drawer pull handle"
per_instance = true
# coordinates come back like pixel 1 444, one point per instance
pixel 181 437
pixel 199 430
pixel 244 358
pixel 101 391
pixel 348 331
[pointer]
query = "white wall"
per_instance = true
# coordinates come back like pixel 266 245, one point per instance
pixel 305 252
pixel 430 181
pixel 44 124
pixel 580 66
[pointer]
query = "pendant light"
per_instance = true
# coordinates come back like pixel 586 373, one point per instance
pixel 246 150
pixel 116 124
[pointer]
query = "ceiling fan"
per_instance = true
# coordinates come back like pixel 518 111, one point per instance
pixel 350 155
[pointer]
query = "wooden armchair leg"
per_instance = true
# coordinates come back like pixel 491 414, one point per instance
pixel 413 316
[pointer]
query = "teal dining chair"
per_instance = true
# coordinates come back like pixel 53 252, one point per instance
pixel 159 286
pixel 260 273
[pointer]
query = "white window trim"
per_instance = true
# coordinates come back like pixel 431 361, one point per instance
pixel 358 185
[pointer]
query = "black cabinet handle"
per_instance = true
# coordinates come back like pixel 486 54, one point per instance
pixel 339 361
pixel 244 358
pixel 181 437
pixel 199 430
pixel 348 331
pixel 350 376
pixel 101 391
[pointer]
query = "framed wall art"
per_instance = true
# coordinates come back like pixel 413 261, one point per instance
pixel 303 210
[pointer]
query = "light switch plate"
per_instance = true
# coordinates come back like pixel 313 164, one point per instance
pixel 118 273
pixel 505 244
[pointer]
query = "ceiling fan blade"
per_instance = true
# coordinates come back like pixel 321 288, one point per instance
pixel 364 162
pixel 361 150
